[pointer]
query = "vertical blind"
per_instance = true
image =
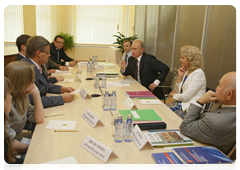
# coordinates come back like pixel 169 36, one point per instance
pixel 48 21
pixel 166 26
pixel 189 28
pixel 212 28
pixel 139 25
pixel 13 22
pixel 220 44
pixel 95 24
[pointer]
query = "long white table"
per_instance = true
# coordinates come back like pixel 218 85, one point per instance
pixel 47 145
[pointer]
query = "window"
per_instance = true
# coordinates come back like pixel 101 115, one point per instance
pixel 48 21
pixel 13 22
pixel 95 24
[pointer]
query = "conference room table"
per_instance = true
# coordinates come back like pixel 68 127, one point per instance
pixel 47 145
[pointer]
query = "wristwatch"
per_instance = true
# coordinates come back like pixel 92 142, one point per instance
pixel 199 103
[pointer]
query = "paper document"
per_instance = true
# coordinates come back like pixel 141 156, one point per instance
pixel 106 64
pixel 69 163
pixel 62 125
pixel 26 140
pixel 59 72
pixel 76 91
pixel 113 84
pixel 150 101
pixel 67 81
pixel 82 63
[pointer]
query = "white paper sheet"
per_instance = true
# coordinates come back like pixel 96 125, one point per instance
pixel 26 140
pixel 61 73
pixel 61 125
pixel 150 101
pixel 127 80
pixel 76 91
pixel 113 84
pixel 82 63
pixel 70 162
pixel 67 81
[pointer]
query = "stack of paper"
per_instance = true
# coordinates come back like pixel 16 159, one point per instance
pixel 146 119
pixel 140 94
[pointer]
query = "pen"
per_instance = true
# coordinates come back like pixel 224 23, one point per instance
pixel 65 130
pixel 54 115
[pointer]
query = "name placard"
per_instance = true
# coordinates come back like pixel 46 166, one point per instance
pixel 139 138
pixel 78 78
pixel 79 71
pixel 91 118
pixel 84 95
pixel 99 67
pixel 97 149
pixel 129 104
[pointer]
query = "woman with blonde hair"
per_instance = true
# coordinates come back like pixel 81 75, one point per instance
pixel 22 76
pixel 9 152
pixel 191 82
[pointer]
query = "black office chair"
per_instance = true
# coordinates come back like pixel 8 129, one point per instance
pixel 212 105
pixel 167 85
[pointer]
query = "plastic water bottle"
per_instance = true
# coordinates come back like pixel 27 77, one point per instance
pixel 96 61
pixel 128 135
pixel 118 137
pixel 93 60
pixel 92 67
pixel 88 66
pixel 96 84
pixel 104 81
pixel 113 104
pixel 106 101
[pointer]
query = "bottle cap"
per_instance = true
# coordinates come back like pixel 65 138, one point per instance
pixel 119 116
pixel 129 116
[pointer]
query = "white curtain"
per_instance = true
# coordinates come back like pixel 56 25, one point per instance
pixel 48 20
pixel 13 22
pixel 95 24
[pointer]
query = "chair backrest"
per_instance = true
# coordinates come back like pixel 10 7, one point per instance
pixel 168 80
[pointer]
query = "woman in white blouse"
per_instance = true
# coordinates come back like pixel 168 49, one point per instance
pixel 191 82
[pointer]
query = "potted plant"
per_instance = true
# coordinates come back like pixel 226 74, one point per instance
pixel 120 39
pixel 68 41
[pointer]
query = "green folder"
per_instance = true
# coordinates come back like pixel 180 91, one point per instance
pixel 144 115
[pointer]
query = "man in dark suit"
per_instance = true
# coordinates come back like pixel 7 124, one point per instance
pixel 145 68
pixel 57 52
pixel 37 53
pixel 217 127
pixel 21 45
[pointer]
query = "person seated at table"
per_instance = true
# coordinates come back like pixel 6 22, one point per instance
pixel 191 82
pixel 23 114
pixel 145 68
pixel 217 127
pixel 9 151
pixel 57 53
pixel 21 45
pixel 50 67
pixel 127 44
pixel 37 54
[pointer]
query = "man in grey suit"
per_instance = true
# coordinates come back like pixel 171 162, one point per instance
pixel 218 127
pixel 37 53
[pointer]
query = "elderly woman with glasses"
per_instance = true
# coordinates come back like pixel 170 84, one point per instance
pixel 191 82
